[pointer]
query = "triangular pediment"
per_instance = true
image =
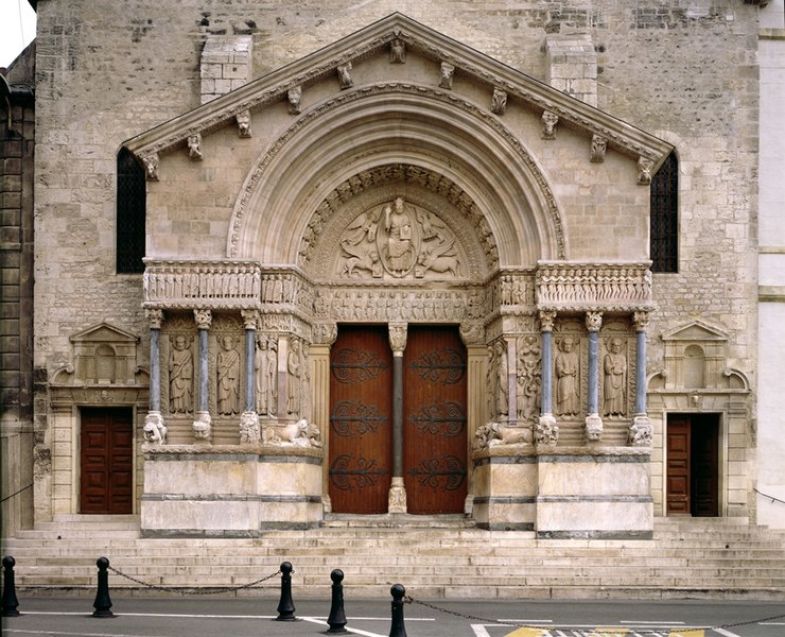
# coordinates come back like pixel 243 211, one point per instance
pixel 695 331
pixel 104 333
pixel 417 39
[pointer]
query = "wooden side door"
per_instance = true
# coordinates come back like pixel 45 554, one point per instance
pixel 678 481
pixel 106 461
pixel 360 469
pixel 705 466
pixel 434 420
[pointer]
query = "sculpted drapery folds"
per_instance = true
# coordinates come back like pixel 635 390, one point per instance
pixel 567 378
pixel 497 381
pixel 615 368
pixel 228 364
pixel 295 371
pixel 266 371
pixel 181 377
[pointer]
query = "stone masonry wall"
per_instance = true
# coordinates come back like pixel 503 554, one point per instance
pixel 684 70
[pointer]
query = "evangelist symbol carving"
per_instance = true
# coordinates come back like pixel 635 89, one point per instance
pixel 400 241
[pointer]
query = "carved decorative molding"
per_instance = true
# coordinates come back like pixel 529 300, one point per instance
pixel 243 120
pixel 397 334
pixel 293 98
pixel 397 51
pixel 154 317
pixel 195 147
pixel 599 145
pixel 547 319
pixel 250 319
pixel 646 169
pixel 641 321
pixel 498 101
pixel 189 284
pixel 151 163
pixel 622 287
pixel 593 321
pixel 549 121
pixel 203 319
pixel 244 203
pixel 345 75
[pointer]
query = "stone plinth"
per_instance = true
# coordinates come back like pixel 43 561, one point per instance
pixel 597 493
pixel 229 491
pixel 505 488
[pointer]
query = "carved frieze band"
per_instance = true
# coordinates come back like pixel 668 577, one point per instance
pixel 584 287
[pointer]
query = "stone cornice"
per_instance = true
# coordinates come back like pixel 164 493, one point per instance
pixel 417 37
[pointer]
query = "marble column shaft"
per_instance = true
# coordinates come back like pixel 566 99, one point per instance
pixel 593 406
pixel 202 400
pixel 250 369
pixel 155 369
pixel 640 371
pixel 397 437
pixel 546 400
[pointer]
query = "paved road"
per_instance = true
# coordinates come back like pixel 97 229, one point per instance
pixel 208 617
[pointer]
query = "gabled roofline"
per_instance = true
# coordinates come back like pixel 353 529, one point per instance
pixel 273 87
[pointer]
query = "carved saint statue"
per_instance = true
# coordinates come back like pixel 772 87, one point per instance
pixel 398 249
pixel 615 367
pixel 181 376
pixel 228 364
pixel 497 381
pixel 266 371
pixel 295 371
pixel 566 364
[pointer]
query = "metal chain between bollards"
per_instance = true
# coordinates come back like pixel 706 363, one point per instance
pixel 212 590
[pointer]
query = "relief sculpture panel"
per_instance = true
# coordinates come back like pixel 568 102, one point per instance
pixel 398 240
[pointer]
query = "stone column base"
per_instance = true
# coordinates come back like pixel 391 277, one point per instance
pixel 327 503
pixel 396 502
pixel 640 431
pixel 202 427
pixel 593 427
pixel 249 428
pixel 546 433
pixel 154 428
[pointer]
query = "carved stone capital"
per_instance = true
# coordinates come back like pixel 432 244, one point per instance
pixel 446 72
pixel 250 319
pixel 202 427
pixel 397 51
pixel 155 318
pixel 641 321
pixel 549 121
pixel 203 319
pixel 293 97
pixel 324 333
pixel 397 333
pixel 547 319
pixel 345 75
pixel 151 163
pixel 154 428
pixel 599 145
pixel 593 321
pixel 472 333
pixel 593 424
pixel 195 146
pixel 645 167
pixel 396 502
pixel 640 431
pixel 498 101
pixel 243 120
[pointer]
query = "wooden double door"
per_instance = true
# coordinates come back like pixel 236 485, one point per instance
pixel 434 454
pixel 693 465
pixel 106 461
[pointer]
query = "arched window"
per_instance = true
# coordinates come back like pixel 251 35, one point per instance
pixel 664 231
pixel 130 213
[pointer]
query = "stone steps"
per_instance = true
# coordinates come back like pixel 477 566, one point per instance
pixel 685 558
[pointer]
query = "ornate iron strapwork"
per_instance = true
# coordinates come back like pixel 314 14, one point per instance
pixel 353 366
pixel 353 418
pixel 131 210
pixel 345 474
pixel 445 366
pixel 664 211
pixel 446 470
pixel 445 419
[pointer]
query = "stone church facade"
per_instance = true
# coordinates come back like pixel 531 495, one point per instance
pixel 302 262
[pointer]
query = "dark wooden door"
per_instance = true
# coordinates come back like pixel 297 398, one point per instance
pixel 705 466
pixel 360 420
pixel 106 461
pixel 434 420
pixel 678 469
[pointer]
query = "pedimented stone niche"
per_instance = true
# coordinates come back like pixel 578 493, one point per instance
pixel 398 223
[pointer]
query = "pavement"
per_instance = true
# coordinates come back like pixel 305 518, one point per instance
pixel 207 616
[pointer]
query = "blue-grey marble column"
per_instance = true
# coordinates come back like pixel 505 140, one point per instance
pixel 202 420
pixel 250 432
pixel 641 321
pixel 593 418
pixel 154 428
pixel 546 432
pixel 396 501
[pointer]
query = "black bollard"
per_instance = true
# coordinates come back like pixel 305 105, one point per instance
pixel 102 603
pixel 397 629
pixel 337 618
pixel 286 605
pixel 10 603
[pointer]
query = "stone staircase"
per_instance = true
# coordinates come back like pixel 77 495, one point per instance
pixel 434 558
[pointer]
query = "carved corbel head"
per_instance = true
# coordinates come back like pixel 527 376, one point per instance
pixel 549 121
pixel 151 162
pixel 498 101
pixel 345 75
pixel 243 119
pixel 599 145
pixel 397 51
pixel 645 167
pixel 195 146
pixel 446 72
pixel 293 97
